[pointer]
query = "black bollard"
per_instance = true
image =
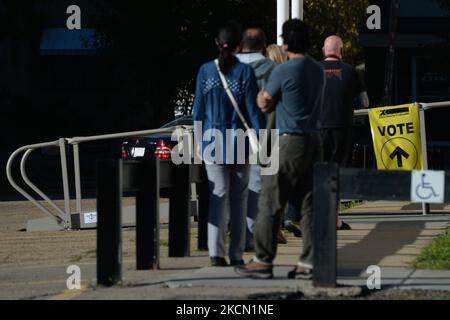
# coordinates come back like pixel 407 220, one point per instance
pixel 147 217
pixel 109 222
pixel 325 202
pixel 203 208
pixel 179 212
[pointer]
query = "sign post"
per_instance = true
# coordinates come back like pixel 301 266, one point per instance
pixel 297 9
pixel 282 16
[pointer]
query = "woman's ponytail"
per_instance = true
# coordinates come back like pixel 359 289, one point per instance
pixel 228 39
pixel 226 60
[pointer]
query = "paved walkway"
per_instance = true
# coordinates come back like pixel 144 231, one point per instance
pixel 390 241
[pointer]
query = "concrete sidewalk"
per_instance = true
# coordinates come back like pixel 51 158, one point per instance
pixel 396 207
pixel 390 241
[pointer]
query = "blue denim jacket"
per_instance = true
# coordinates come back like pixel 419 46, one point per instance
pixel 214 109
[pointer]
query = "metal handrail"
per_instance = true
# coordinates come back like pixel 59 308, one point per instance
pixel 63 217
pixel 423 106
pixel 77 140
pixel 33 187
pixel 76 153
pixel 16 186
pixel 435 105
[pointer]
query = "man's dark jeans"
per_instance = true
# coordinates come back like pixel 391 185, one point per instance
pixel 337 145
pixel 297 155
pixel 293 213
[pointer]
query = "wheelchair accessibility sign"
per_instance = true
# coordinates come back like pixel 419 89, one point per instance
pixel 427 186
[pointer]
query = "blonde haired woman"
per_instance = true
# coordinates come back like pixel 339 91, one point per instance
pixel 276 53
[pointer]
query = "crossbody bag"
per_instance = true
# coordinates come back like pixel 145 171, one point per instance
pixel 254 143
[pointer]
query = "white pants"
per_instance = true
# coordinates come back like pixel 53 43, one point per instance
pixel 228 186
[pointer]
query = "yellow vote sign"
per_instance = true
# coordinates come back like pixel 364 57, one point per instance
pixel 396 137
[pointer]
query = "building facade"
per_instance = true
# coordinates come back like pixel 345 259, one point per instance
pixel 421 67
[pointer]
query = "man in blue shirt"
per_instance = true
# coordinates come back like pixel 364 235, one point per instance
pixel 295 89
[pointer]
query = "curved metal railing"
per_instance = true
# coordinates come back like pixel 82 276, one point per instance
pixel 61 216
pixel 28 149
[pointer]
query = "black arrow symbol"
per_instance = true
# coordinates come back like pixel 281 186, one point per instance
pixel 399 153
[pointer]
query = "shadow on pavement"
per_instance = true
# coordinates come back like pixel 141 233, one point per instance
pixel 384 240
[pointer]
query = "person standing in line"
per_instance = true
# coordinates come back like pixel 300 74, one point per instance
pixel 277 54
pixel 213 109
pixel 292 215
pixel 253 47
pixel 343 90
pixel 295 91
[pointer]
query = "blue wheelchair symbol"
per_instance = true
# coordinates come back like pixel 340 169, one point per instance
pixel 424 190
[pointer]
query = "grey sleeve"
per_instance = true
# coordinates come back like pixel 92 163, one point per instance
pixel 274 85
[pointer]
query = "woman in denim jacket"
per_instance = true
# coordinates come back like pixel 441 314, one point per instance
pixel 216 128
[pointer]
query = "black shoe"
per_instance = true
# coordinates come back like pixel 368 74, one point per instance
pixel 236 263
pixel 289 226
pixel 300 273
pixel 218 262
pixel 255 270
pixel 344 226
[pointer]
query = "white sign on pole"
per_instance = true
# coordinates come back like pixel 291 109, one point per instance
pixel 90 217
pixel 427 186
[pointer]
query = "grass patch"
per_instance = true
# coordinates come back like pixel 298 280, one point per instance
pixel 399 294
pixel 345 205
pixel 436 255
pixel 163 243
pixel 388 294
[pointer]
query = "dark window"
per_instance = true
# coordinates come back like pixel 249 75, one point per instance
pixel 75 73
pixel 433 78
pixel 423 8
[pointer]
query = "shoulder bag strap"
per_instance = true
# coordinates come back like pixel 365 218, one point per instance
pixel 231 96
